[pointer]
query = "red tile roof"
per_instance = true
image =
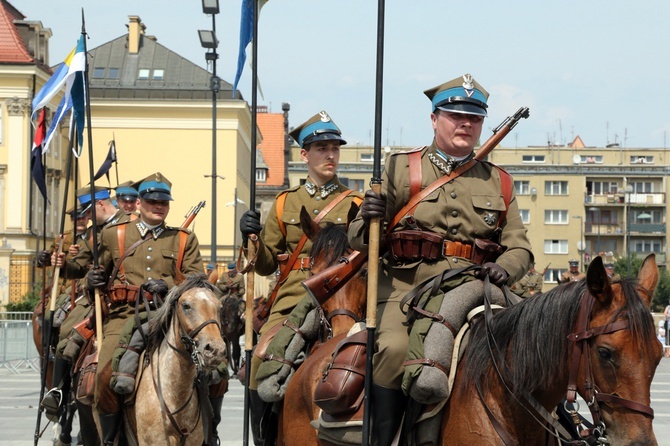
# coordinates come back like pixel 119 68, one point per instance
pixel 271 126
pixel 12 47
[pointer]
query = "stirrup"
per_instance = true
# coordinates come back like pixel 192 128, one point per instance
pixel 51 403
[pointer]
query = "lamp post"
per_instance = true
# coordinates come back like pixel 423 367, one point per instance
pixel 596 210
pixel 234 203
pixel 580 245
pixel 208 40
pixel 629 190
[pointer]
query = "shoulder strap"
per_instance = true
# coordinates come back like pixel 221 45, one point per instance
pixel 288 267
pixel 119 265
pixel 183 236
pixel 416 199
pixel 121 236
pixel 281 199
pixel 506 188
pixel 414 172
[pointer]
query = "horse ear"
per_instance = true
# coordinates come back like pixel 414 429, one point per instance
pixel 598 282
pixel 307 224
pixel 353 211
pixel 648 278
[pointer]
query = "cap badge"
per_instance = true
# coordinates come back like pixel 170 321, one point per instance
pixel 159 178
pixel 468 85
pixel 324 116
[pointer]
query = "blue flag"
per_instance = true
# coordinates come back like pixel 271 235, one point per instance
pixel 246 35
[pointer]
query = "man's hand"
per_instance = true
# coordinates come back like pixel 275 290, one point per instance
pixel 96 278
pixel 374 206
pixel 497 274
pixel 157 288
pixel 58 259
pixel 73 250
pixel 43 259
pixel 250 223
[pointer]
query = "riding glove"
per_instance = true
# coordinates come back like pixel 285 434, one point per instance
pixel 157 288
pixel 374 206
pixel 96 278
pixel 497 274
pixel 250 223
pixel 43 259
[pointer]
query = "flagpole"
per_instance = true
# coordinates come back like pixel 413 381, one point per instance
pixel 116 163
pixel 248 323
pixel 374 234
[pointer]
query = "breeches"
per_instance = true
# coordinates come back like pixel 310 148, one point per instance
pixel 390 345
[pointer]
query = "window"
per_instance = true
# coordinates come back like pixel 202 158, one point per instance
pixel 358 185
pixel 113 73
pixel 647 246
pixel 636 159
pixel 522 187
pixel 143 74
pixel 366 157
pixel 533 159
pixel 261 175
pixel 158 74
pixel 602 187
pixel 556 188
pixel 98 72
pixel 555 246
pixel 590 159
pixel 642 187
pixel 552 275
pixel 525 216
pixel 555 217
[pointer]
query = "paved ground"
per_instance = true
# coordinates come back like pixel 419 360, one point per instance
pixel 19 394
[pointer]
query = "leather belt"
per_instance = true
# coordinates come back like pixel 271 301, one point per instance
pixel 303 263
pixel 456 249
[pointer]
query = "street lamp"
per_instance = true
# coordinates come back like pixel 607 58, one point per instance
pixel 235 202
pixel 208 40
pixel 597 211
pixel 580 245
pixel 629 190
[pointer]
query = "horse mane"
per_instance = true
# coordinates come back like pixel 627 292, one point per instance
pixel 332 239
pixel 159 324
pixel 531 337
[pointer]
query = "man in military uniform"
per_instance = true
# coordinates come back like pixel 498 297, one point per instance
pixel 572 274
pixel 232 284
pixel 320 140
pixel 530 284
pixel 609 269
pixel 127 197
pixel 470 206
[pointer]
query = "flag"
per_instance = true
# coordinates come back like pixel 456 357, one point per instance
pixel 69 73
pixel 107 164
pixel 246 35
pixel 36 165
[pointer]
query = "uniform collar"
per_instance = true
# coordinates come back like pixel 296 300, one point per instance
pixel 145 229
pixel 446 163
pixel 324 190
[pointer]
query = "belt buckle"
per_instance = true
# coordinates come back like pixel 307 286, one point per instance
pixel 444 248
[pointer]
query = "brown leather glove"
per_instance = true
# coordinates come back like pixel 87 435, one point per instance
pixel 374 206
pixel 497 274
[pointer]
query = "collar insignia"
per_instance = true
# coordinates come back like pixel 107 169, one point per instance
pixel 326 190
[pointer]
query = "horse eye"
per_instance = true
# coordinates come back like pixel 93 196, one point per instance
pixel 605 353
pixel 185 306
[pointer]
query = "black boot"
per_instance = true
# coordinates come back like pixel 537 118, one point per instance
pixel 263 420
pixel 109 426
pixel 52 403
pixel 388 406
pixel 216 419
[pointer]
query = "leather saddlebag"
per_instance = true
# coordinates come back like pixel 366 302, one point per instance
pixel 341 389
pixel 87 372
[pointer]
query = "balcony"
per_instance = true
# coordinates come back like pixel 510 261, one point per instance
pixel 655 198
pixel 647 228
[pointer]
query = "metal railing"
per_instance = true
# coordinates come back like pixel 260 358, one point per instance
pixel 17 349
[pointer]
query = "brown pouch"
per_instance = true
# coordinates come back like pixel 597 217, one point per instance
pixel 258 320
pixel 341 389
pixel 485 251
pixel 87 372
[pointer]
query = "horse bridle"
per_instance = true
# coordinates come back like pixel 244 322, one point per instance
pixel 200 383
pixel 581 348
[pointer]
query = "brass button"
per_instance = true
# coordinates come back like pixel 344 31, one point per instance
pixel 148 268
pixel 454 231
pixel 316 211
pixel 455 260
pixel 488 203
pixel 453 195
pixel 148 257
pixel 150 249
pixel 454 213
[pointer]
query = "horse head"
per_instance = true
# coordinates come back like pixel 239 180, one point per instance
pixel 337 270
pixel 190 322
pixel 625 355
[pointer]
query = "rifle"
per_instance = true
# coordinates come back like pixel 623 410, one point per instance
pixel 545 269
pixel 190 215
pixel 500 132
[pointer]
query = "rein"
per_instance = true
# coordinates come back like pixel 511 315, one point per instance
pixel 200 383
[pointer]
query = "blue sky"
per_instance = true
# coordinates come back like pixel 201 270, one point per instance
pixel 597 69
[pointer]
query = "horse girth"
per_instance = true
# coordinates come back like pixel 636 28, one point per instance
pixel 581 349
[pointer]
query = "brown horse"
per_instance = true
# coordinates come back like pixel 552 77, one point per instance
pixel 341 311
pixel 232 326
pixel 594 337
pixel 184 344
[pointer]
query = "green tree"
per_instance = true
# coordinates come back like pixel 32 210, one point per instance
pixel 28 301
pixel 662 295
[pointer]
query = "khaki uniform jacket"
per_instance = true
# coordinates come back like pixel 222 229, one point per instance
pixel 465 208
pixel 225 284
pixel 273 242
pixel 572 277
pixel 154 259
pixel 78 266
pixel 530 284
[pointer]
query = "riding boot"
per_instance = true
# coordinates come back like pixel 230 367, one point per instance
pixel 388 406
pixel 261 419
pixel 216 419
pixel 109 426
pixel 52 401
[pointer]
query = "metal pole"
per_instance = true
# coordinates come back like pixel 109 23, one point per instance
pixel 628 192
pixel 235 224
pixel 214 84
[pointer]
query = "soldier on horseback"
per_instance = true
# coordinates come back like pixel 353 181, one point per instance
pixel 283 245
pixel 232 285
pixel 470 219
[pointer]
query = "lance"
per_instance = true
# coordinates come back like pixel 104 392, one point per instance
pixel 374 230
pixel 251 247
pixel 47 331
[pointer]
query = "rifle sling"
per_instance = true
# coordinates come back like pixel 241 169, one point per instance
pixel 288 267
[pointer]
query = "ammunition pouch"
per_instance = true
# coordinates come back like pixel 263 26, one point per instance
pixel 85 328
pixel 341 388
pixel 122 293
pixel 416 245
